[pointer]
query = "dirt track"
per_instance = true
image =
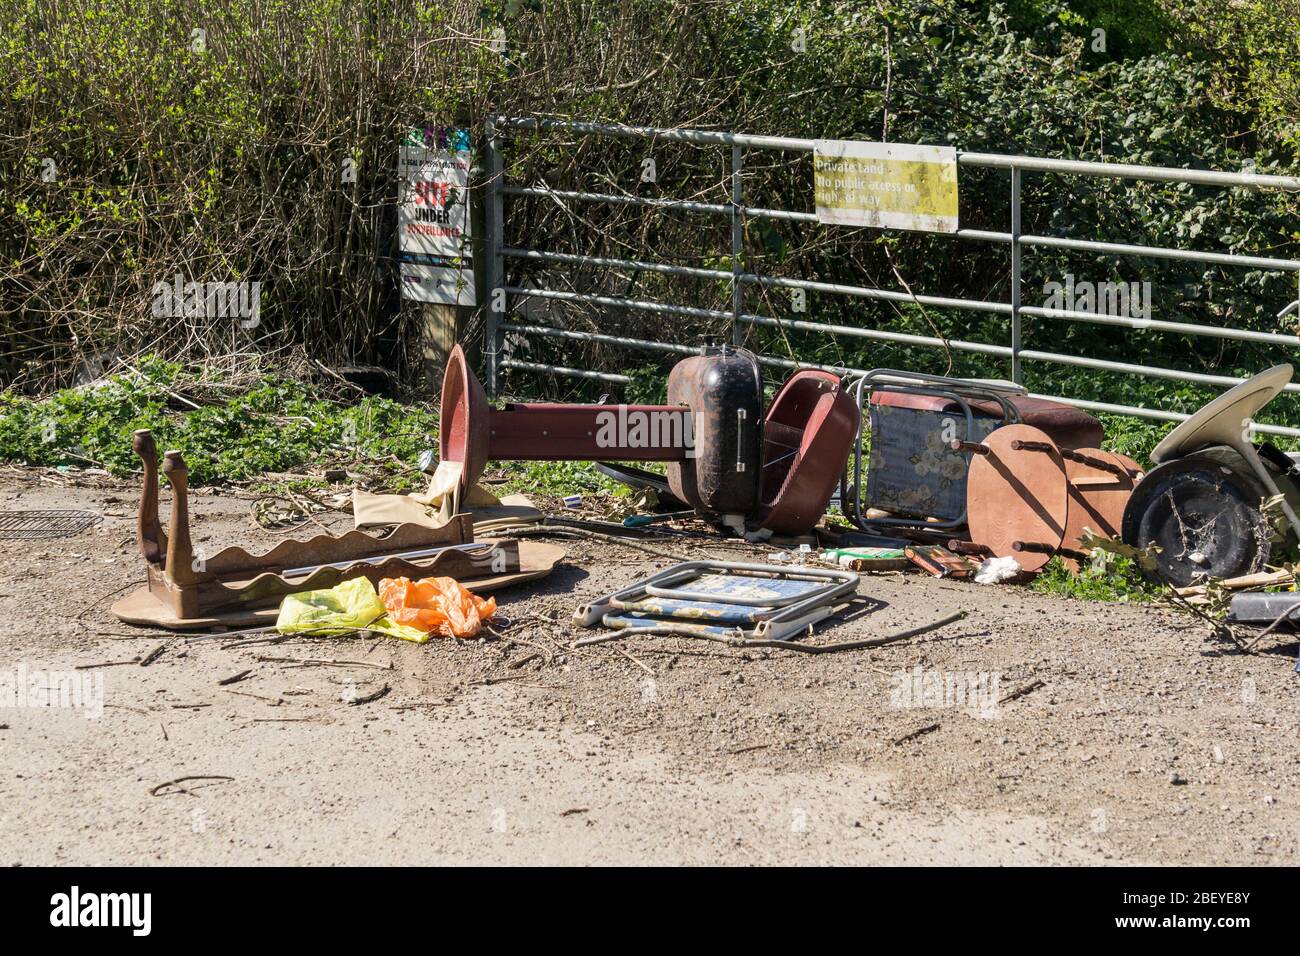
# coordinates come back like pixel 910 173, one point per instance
pixel 718 756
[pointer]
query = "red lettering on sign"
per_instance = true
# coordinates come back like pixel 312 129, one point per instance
pixel 431 193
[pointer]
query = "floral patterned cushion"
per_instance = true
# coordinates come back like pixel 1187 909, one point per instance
pixel 913 473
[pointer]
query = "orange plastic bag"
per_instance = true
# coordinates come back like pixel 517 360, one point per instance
pixel 436 605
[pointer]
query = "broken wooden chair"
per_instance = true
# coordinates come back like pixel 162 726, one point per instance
pixel 234 587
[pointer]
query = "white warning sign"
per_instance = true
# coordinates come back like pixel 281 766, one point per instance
pixel 435 254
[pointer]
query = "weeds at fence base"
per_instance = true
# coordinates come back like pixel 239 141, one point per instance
pixel 279 425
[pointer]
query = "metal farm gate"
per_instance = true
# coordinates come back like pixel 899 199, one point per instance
pixel 504 299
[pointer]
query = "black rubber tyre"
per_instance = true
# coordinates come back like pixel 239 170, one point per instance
pixel 1204 516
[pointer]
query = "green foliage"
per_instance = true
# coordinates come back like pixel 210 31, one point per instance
pixel 278 425
pixel 1134 437
pixel 1132 28
pixel 558 479
pixel 649 386
pixel 1110 578
pixel 1254 46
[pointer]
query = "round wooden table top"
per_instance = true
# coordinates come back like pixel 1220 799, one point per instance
pixel 1017 495
pixel 1096 498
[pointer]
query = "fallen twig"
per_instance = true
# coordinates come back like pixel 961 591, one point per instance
pixel 1220 629
pixel 153 655
pixel 1022 691
pixel 86 667
pixel 223 635
pixel 234 678
pixel 919 732
pixel 1277 622
pixel 179 780
pixel 104 597
pixel 129 636
pixel 137 710
pixel 253 641
pixel 638 663
pixel 519 641
pixel 422 703
pixel 277 701
pixel 323 662
pixel 489 681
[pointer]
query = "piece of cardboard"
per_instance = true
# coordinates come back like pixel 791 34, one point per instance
pixel 489 512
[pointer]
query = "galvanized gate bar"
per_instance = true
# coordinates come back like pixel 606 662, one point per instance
pixel 631 265
pixel 638 304
pixel 1151 371
pixel 1017 332
pixel 1205 177
pixel 1168 174
pixel 1159 325
pixel 864 292
pixel 570 372
pixel 610 199
pixel 1162 252
pixel 548 332
pixel 903 338
pixel 622 131
pixel 887 295
pixel 737 240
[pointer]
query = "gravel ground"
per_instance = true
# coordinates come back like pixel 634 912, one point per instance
pixel 1139 739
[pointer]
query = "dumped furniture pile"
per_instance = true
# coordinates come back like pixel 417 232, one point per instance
pixel 960 478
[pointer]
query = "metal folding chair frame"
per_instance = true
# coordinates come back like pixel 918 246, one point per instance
pixel 790 614
pixel 914 383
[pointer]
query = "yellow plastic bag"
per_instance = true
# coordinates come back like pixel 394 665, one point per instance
pixel 341 609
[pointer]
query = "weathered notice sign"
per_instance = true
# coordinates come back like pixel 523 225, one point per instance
pixel 435 256
pixel 886 185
